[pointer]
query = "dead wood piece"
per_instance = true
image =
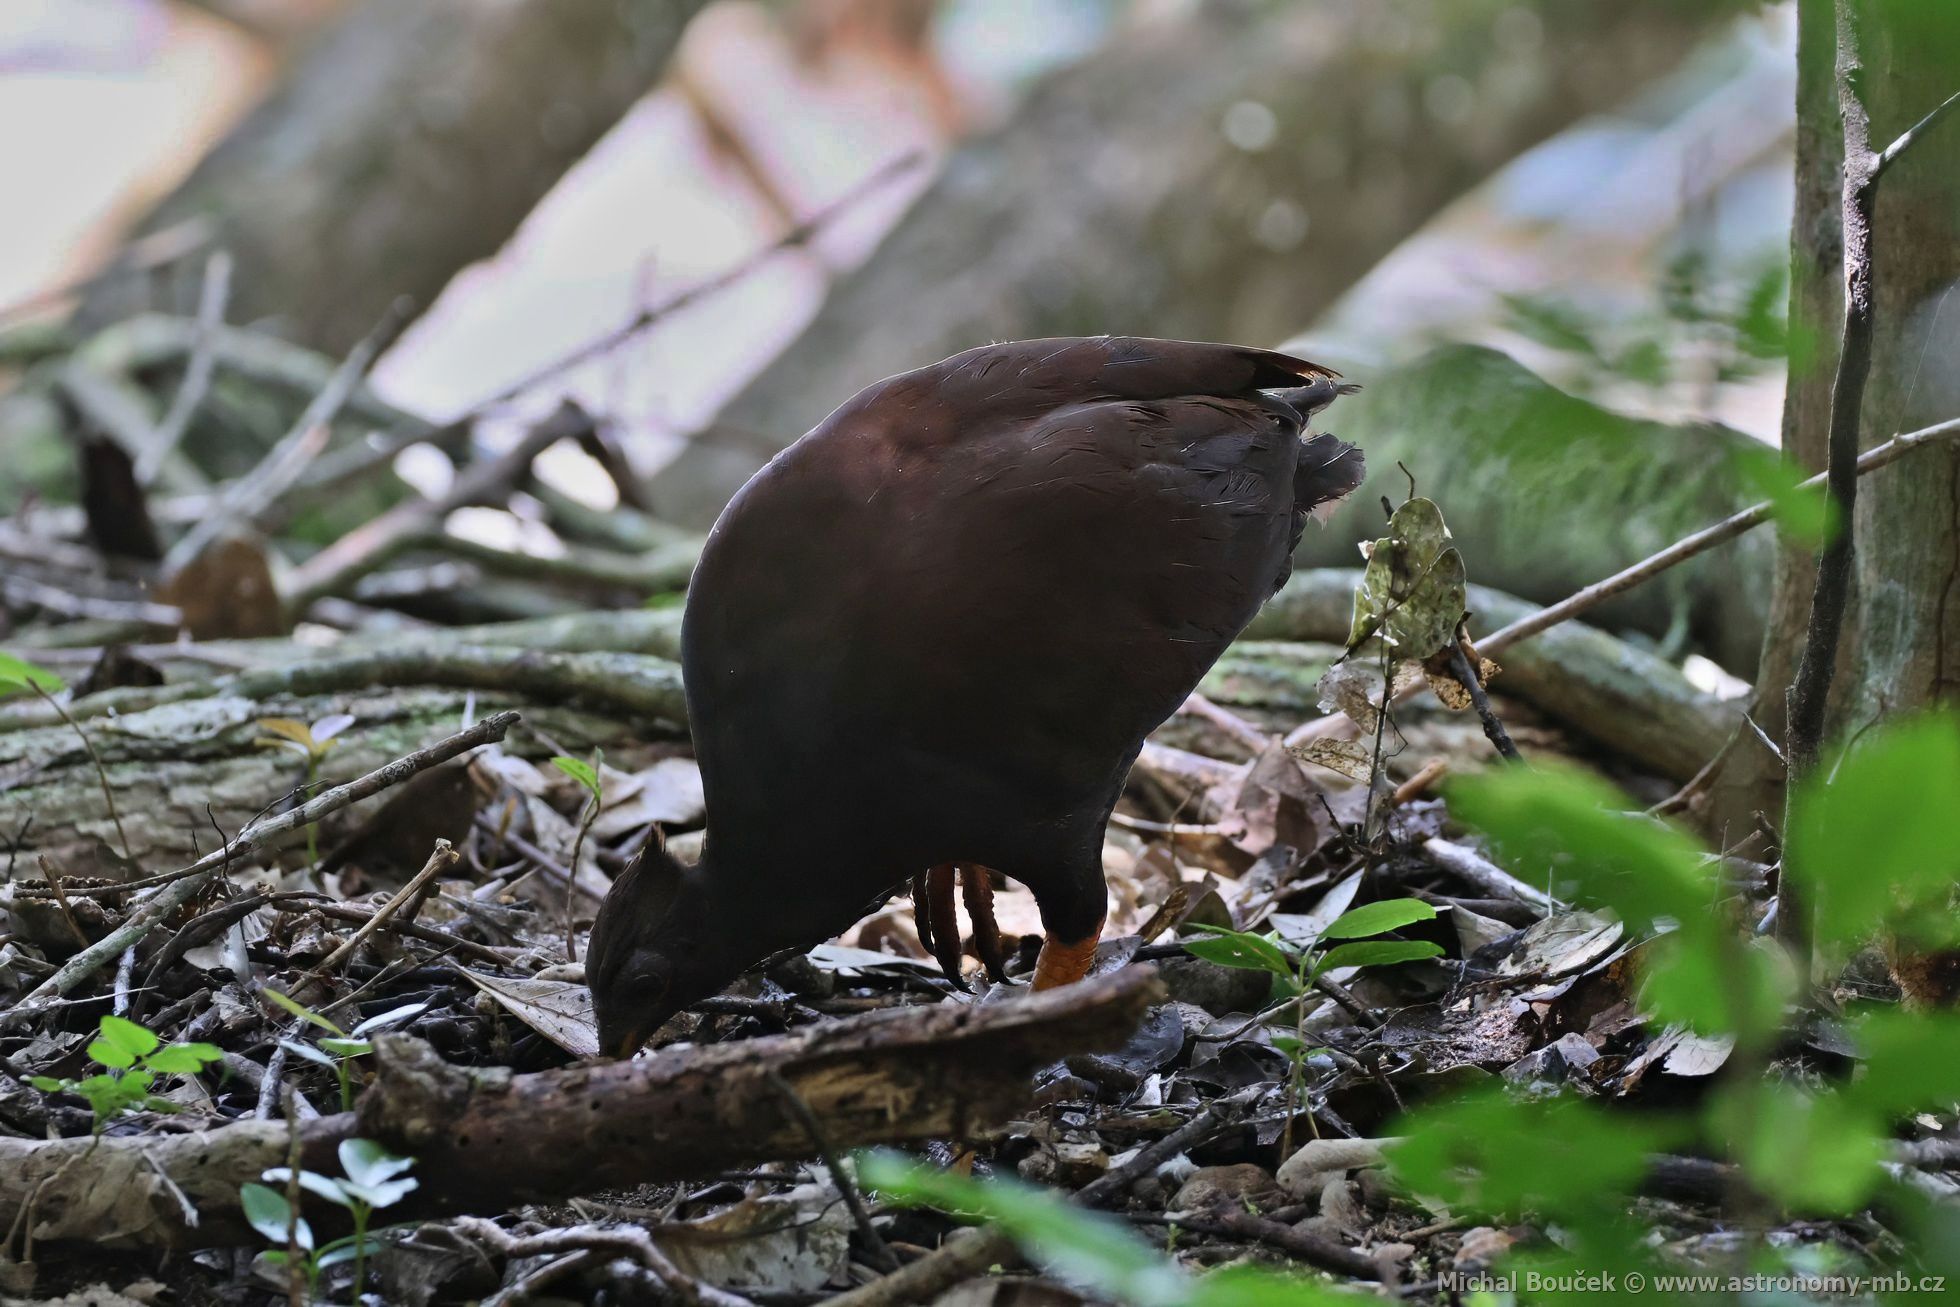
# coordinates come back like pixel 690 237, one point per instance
pixel 1487 876
pixel 485 1141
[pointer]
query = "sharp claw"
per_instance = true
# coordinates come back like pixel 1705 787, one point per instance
pixel 922 913
pixel 945 924
pixel 978 890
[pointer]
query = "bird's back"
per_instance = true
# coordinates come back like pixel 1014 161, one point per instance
pixel 939 626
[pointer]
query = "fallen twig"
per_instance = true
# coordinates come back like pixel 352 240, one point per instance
pixel 627 1239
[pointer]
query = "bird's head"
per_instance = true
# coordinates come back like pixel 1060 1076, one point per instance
pixel 658 944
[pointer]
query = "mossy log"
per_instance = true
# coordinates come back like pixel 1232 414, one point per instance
pixel 197 764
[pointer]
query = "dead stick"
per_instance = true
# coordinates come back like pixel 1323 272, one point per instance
pixel 249 496
pixel 1700 542
pixel 211 300
pixel 372 543
pixel 880 1250
pixel 442 859
pixel 190 881
pixel 1466 671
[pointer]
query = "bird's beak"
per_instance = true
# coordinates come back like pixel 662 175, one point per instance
pixel 630 1045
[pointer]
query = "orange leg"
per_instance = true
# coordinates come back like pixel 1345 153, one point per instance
pixel 978 890
pixel 945 923
pixel 1062 962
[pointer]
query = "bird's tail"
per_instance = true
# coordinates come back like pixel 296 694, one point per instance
pixel 1328 471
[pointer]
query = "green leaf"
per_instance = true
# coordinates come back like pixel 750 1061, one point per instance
pixel 19 674
pixel 1812 1151
pixel 1550 323
pixel 1085 1248
pixel 183 1059
pixel 50 1085
pixel 1549 816
pixel 310 1053
pixel 1912 1063
pixel 320 1186
pixel 1378 918
pixel 1807 514
pixel 1718 986
pixel 1376 953
pixel 1236 948
pixel 347 1047
pixel 1872 832
pixel 369 1163
pixel 125 1037
pixel 579 770
pixel 267 1211
pixel 301 1011
pixel 1498 1156
pixel 394 1016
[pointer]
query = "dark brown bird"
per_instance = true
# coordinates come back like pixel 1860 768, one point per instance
pixel 934 632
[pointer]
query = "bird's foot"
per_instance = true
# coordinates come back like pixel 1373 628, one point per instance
pixel 939 923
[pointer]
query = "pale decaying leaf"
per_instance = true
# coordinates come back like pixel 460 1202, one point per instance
pixel 1348 757
pixel 558 1010
pixel 1444 684
pixel 667 793
pixel 1354 688
pixel 794 1242
pixel 1561 945
pixel 1303 929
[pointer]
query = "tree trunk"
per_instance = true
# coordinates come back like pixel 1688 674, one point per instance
pixel 1901 647
pixel 1220 178
pixel 408 143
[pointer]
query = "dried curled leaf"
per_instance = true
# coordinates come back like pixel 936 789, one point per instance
pixel 1354 688
pixel 1447 686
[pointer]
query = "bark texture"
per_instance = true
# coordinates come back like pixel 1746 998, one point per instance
pixel 1221 177
pixel 1901 644
pixel 407 143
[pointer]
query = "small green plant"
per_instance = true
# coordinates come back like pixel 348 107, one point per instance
pixel 1094 1252
pixel 17 674
pixel 587 775
pixel 133 1059
pixel 338 1048
pixel 1870 841
pixel 374 1180
pixel 1345 941
pixel 312 743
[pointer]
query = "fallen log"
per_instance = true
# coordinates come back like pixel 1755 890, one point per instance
pixel 485 1140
